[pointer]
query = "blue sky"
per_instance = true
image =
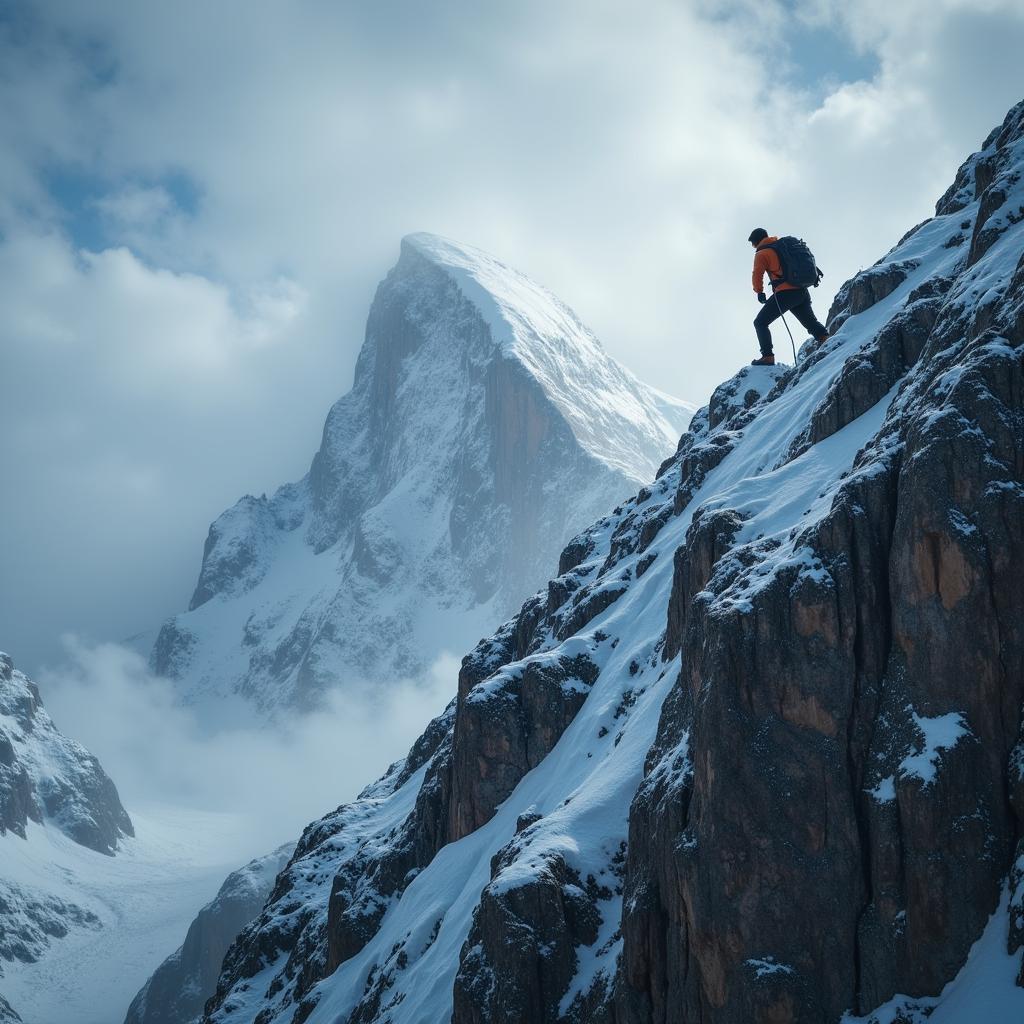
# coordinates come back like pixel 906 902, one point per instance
pixel 196 203
pixel 823 58
pixel 79 194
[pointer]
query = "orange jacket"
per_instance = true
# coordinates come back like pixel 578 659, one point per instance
pixel 766 261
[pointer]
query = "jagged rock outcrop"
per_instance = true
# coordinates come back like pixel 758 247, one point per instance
pixel 544 922
pixel 7 1014
pixel 507 728
pixel 484 427
pixel 178 989
pixel 31 920
pixel 850 718
pixel 46 781
pixel 47 778
pixel 789 784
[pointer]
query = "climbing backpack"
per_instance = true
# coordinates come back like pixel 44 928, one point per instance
pixel 798 265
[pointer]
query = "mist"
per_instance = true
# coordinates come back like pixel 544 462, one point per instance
pixel 272 778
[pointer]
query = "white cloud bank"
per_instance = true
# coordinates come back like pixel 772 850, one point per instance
pixel 274 781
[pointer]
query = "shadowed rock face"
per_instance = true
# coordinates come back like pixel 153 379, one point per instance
pixel 178 989
pixel 501 735
pixel 812 828
pixel 45 777
pixel 825 798
pixel 534 928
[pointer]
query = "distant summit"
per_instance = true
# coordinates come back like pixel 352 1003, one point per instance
pixel 615 418
pixel 484 427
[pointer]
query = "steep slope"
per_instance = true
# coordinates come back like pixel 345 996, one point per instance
pixel 46 780
pixel 180 986
pixel 756 753
pixel 45 777
pixel 485 426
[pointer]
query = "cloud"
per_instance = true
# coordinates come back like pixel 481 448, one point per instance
pixel 127 389
pixel 142 331
pixel 197 200
pixel 273 780
pixel 137 206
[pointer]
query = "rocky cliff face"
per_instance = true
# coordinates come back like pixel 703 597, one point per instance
pixel 484 427
pixel 180 986
pixel 756 753
pixel 49 781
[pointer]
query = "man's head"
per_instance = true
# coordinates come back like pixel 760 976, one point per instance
pixel 757 236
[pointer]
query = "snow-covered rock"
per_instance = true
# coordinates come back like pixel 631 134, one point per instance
pixel 90 900
pixel 756 753
pixel 46 781
pixel 485 426
pixel 46 777
pixel 180 986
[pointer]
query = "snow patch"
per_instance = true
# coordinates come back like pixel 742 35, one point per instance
pixel 938 734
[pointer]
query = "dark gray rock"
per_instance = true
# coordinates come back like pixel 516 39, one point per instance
pixel 866 289
pixel 520 955
pixel 45 777
pixel 31 920
pixel 508 729
pixel 868 375
pixel 796 849
pixel 178 989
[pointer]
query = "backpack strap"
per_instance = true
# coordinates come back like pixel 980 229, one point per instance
pixel 774 281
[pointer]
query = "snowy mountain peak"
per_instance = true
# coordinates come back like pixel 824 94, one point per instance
pixel 519 312
pixel 484 427
pixel 530 324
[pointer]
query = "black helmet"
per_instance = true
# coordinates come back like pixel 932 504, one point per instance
pixel 757 235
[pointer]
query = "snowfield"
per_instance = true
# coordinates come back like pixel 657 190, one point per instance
pixel 140 903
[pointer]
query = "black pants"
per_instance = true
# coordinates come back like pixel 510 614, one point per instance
pixel 793 300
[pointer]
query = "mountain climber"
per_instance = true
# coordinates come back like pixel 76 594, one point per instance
pixel 787 297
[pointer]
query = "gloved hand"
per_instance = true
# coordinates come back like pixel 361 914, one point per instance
pixel 762 298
